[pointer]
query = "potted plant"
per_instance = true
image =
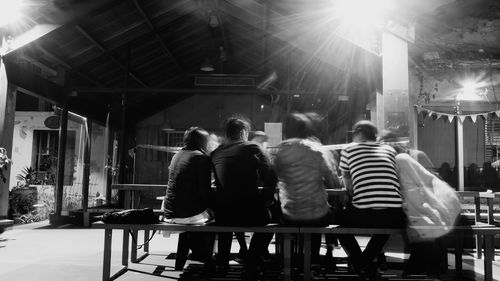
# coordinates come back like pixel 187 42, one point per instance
pixel 4 163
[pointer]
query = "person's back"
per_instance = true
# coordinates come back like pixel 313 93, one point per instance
pixel 304 172
pixel 239 167
pixel 370 175
pixel 185 197
pixel 374 177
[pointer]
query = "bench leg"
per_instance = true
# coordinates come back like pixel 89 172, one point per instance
pixel 125 248
pixel 287 257
pixel 106 264
pixel 458 252
pixel 182 250
pixel 307 256
pixel 146 238
pixel 489 249
pixel 133 251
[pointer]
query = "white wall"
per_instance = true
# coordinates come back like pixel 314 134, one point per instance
pixel 25 123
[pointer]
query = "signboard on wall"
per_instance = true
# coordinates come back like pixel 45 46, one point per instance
pixel 274 133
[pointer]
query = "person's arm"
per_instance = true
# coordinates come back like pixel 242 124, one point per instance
pixel 346 178
pixel 346 173
pixel 264 168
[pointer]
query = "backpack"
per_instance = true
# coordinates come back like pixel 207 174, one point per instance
pixel 431 205
pixel 131 216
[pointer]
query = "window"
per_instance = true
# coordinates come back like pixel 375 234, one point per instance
pixel 45 152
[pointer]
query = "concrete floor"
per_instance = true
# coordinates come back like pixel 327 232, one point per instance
pixel 40 252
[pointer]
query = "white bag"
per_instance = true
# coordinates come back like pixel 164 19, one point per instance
pixel 431 205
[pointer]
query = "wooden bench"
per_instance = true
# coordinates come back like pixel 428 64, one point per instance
pixel 108 228
pixel 482 230
pixel 486 231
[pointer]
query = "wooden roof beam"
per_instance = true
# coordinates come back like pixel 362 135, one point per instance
pixel 67 66
pixel 153 29
pixel 105 51
pixel 208 91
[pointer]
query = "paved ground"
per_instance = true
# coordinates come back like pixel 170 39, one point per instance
pixel 40 252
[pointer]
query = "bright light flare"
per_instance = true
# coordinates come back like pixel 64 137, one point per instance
pixel 472 90
pixel 364 12
pixel 10 10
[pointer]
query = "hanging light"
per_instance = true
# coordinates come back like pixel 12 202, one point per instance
pixel 213 20
pixel 206 66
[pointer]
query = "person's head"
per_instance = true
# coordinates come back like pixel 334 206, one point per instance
pixel 259 137
pixel 302 125
pixel 195 138
pixel 236 128
pixel 364 130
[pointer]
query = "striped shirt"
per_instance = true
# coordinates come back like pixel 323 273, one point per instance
pixel 372 167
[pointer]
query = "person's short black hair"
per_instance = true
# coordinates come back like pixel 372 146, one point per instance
pixel 366 128
pixel 195 138
pixel 302 125
pixel 233 126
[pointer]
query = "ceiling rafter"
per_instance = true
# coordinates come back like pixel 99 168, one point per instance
pixel 67 66
pixel 153 29
pixel 105 51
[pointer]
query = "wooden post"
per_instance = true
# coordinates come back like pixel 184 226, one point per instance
pixel 459 153
pixel 86 165
pixel 61 156
pixel 7 116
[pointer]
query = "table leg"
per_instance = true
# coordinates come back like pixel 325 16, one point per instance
pixel 287 257
pixel 489 249
pixel 106 265
pixel 125 247
pixel 458 252
pixel 307 256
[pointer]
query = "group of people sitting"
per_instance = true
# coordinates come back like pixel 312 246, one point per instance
pixel 246 178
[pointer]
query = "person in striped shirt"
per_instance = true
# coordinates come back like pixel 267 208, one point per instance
pixel 370 176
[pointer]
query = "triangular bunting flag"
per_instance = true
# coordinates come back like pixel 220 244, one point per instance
pixel 450 117
pixel 438 115
pixel 462 118
pixel 473 118
pixel 485 115
pixel 497 113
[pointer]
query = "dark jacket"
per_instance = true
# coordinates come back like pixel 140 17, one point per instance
pixel 188 185
pixel 240 168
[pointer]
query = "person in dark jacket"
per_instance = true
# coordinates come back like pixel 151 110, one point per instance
pixel 188 192
pixel 240 168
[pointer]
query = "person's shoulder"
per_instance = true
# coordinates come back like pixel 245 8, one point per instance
pixel 351 146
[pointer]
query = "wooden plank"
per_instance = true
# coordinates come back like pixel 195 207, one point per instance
pixel 271 228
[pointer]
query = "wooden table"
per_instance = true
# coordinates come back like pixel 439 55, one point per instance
pixel 133 189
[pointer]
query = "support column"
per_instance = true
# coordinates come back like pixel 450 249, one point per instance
pixel 459 155
pixel 396 101
pixel 86 165
pixel 61 156
pixel 7 116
